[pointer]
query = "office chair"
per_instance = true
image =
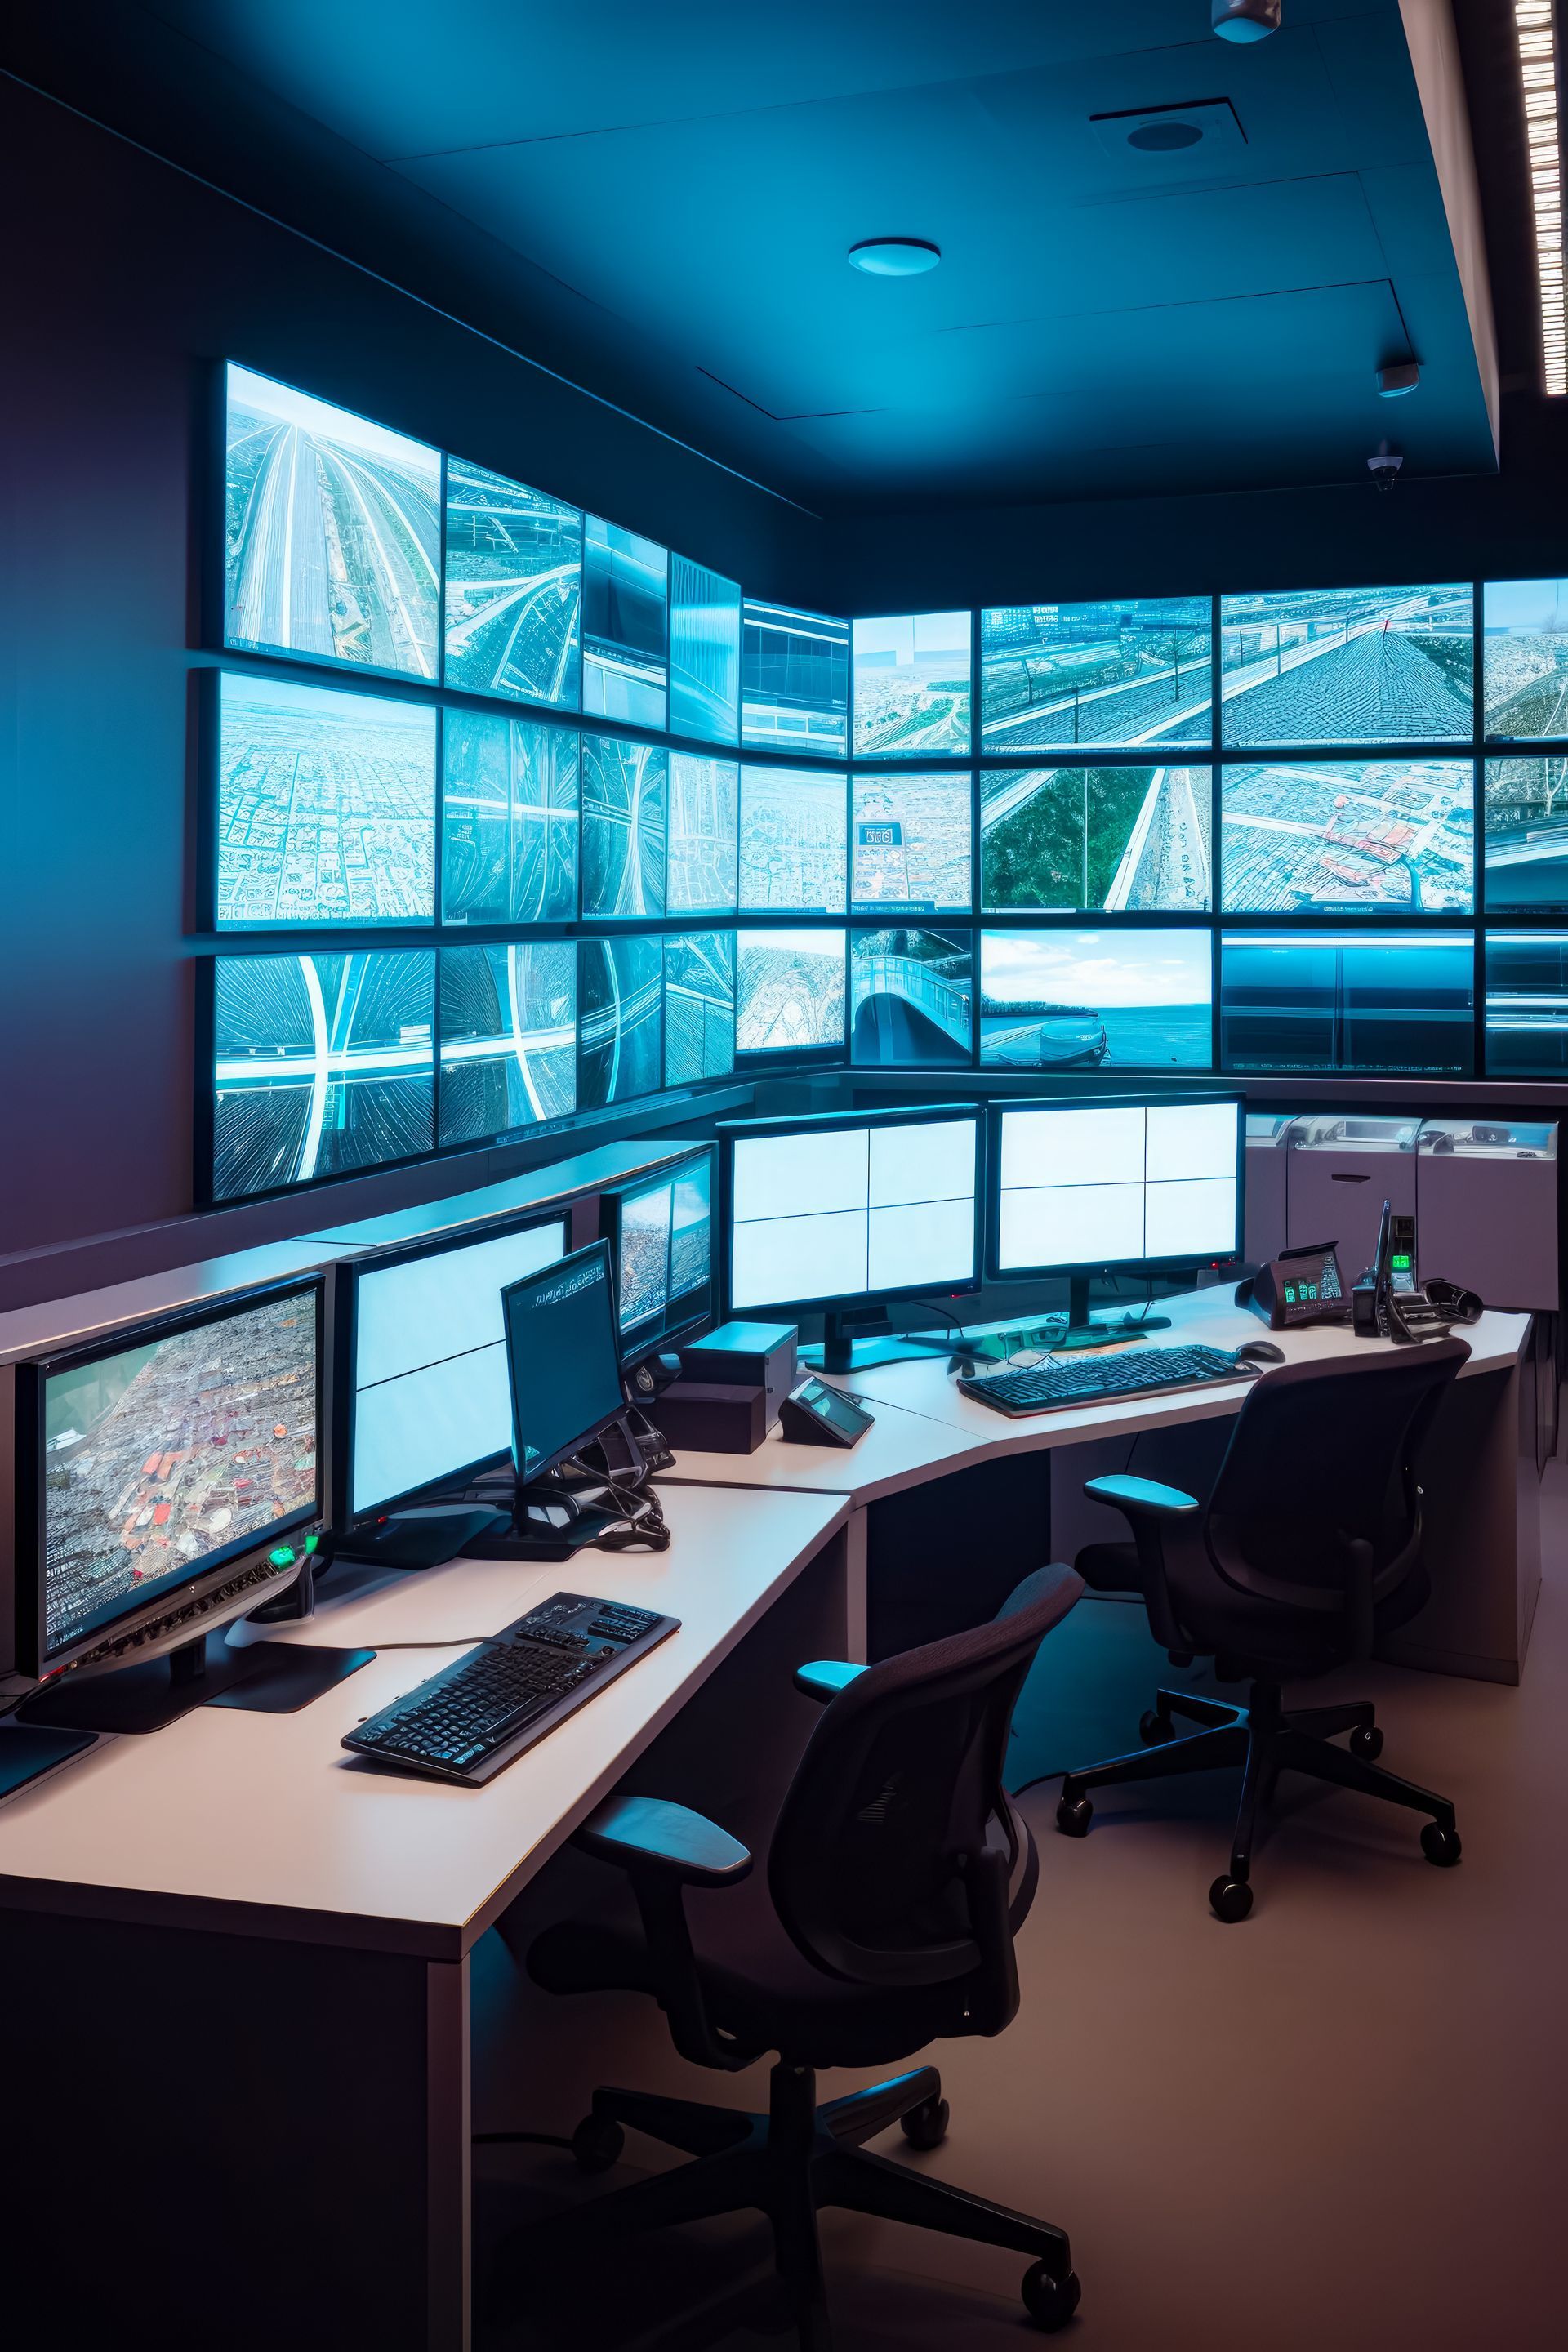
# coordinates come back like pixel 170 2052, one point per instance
pixel 897 1876
pixel 1307 1549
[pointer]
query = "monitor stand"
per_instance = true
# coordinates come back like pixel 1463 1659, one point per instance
pixel 268 1678
pixel 416 1539
pixel 547 1520
pixel 1083 1331
pixel 840 1353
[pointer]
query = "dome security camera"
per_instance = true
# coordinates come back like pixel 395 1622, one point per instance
pixel 1383 467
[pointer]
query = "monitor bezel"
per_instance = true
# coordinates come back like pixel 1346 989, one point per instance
pixel 32 1377
pixel 543 1468
pixel 346 1277
pixel 730 1131
pixel 1137 1099
pixel 635 1347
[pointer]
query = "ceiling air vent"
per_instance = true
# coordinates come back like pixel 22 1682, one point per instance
pixel 1208 127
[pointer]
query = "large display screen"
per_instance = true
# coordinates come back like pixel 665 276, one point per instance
pixel 795 680
pixel 162 1458
pixel 431 1397
pixel 326 806
pixel 322 1063
pixel 698 1007
pixel 1130 840
pixel 1134 670
pixel 911 685
pixel 624 795
pixel 1524 657
pixel 1393 1001
pixel 1347 666
pixel 851 1211
pixel 664 1270
pixel 794 854
pixel 702 871
pixel 911 997
pixel 332 532
pixel 514 589
pixel 510 791
pixel 704 653
pixel 626 590
pixel 1133 1000
pixel 911 843
pixel 1526 835
pixel 1527 1004
pixel 1118 1185
pixel 620 990
pixel 509 1038
pixel 1324 837
pixel 789 992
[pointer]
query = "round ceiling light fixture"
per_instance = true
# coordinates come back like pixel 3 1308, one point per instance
pixel 1244 20
pixel 1164 138
pixel 894 257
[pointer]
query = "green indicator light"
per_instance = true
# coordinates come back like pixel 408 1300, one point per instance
pixel 311 1542
pixel 1400 1263
pixel 283 1557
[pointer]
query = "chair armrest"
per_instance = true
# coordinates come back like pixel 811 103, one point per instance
pixel 650 1834
pixel 826 1677
pixel 1141 1495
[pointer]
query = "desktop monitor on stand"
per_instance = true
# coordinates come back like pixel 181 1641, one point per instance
pixel 843 1214
pixel 660 1232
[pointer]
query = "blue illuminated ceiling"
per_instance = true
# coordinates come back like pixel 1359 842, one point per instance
pixel 661 199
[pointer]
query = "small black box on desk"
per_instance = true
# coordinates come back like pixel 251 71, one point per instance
pixel 712 1417
pixel 742 1356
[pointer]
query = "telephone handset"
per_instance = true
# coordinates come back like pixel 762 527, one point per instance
pixel 1388 1303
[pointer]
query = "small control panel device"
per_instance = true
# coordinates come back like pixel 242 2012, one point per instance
pixel 819 1415
pixel 1300 1286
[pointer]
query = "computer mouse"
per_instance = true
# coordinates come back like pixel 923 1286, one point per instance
pixel 1259 1351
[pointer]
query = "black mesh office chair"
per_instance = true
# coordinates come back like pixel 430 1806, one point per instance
pixel 1307 1549
pixel 897 1876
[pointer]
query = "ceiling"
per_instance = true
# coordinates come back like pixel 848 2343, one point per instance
pixel 659 200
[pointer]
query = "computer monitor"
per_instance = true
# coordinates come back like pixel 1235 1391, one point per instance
pixel 563 1356
pixel 660 1232
pixel 419 1346
pixel 167 1479
pixel 844 1212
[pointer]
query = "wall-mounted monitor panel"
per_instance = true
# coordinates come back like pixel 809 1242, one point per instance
pixel 1124 1000
pixel 326 806
pixel 1065 840
pixel 620 998
pixel 1347 666
pixel 911 998
pixel 660 1232
pixel 333 533
pixel 795 680
pixel 509 1038
pixel 1079 1187
pixel 510 791
pixel 794 854
pixel 911 843
pixel 1326 837
pixel 911 686
pixel 626 592
pixel 625 819
pixel 1396 1002
pixel 698 1007
pixel 701 868
pixel 514 589
pixel 704 653
pixel 1526 835
pixel 789 992
pixel 1527 1004
pixel 1127 670
pixel 1524 659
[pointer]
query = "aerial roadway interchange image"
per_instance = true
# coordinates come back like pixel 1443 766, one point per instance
pixel 333 532
pixel 1096 999
pixel 1134 671
pixel 508 1037
pixel 621 1004
pixel 1347 666
pixel 509 820
pixel 326 806
pixel 514 589
pixel 1321 836
pixel 911 841
pixel 789 991
pixel 160 1455
pixel 911 685
pixel 624 821
pixel 1527 833
pixel 1124 839
pixel 793 840
pixel 1524 657
pixel 698 1007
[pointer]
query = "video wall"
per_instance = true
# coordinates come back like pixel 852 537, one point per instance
pixel 513 815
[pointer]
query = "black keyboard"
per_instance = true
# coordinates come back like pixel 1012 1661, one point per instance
pixel 468 1722
pixel 1098 1380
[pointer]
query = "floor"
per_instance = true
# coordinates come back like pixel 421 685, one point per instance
pixel 1344 2123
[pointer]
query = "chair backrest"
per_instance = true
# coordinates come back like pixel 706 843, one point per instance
pixel 896 1847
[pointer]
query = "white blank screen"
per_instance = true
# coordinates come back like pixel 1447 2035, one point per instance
pixel 852 1211
pixel 1102 1187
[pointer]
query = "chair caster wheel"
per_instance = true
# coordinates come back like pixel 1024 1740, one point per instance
pixel 1154 1730
pixel 1440 1844
pixel 1367 1741
pixel 1230 1899
pixel 1074 1815
pixel 925 2126
pixel 1050 2302
pixel 597 2145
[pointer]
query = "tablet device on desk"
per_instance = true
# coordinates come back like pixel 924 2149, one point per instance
pixel 819 1415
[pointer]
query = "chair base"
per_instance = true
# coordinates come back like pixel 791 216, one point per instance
pixel 1266 1738
pixel 788 2164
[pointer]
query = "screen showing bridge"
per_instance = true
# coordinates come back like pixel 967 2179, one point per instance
pixel 625 593
pixel 1393 1001
pixel 1325 837
pixel 911 997
pixel 509 1038
pixel 789 992
pixel 911 686
pixel 1347 666
pixel 1134 670
pixel 909 842
pixel 1527 1004
pixel 620 998
pixel 1524 657
pixel 793 841
pixel 624 794
pixel 795 680
pixel 1134 1000
pixel 1125 839
pixel 514 589
pixel 704 653
pixel 698 1007
pixel 509 820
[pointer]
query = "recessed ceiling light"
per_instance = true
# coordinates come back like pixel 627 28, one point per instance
pixel 1244 20
pixel 1537 72
pixel 1164 138
pixel 894 257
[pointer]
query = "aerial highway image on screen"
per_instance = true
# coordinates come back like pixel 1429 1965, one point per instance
pixel 333 532
pixel 789 991
pixel 1127 670
pixel 704 653
pixel 911 685
pixel 1319 837
pixel 910 842
pixel 509 820
pixel 626 589
pixel 698 1007
pixel 795 680
pixel 620 995
pixel 508 1037
pixel 701 862
pixel 514 589
pixel 1095 1000
pixel 1347 666
pixel 1524 657
pixel 1527 1004
pixel 1121 838
pixel 322 1063
pixel 625 788
pixel 1401 1001
pixel 1526 819
pixel 643 1272
pixel 793 840
pixel 168 1452
pixel 326 806
pixel 911 996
